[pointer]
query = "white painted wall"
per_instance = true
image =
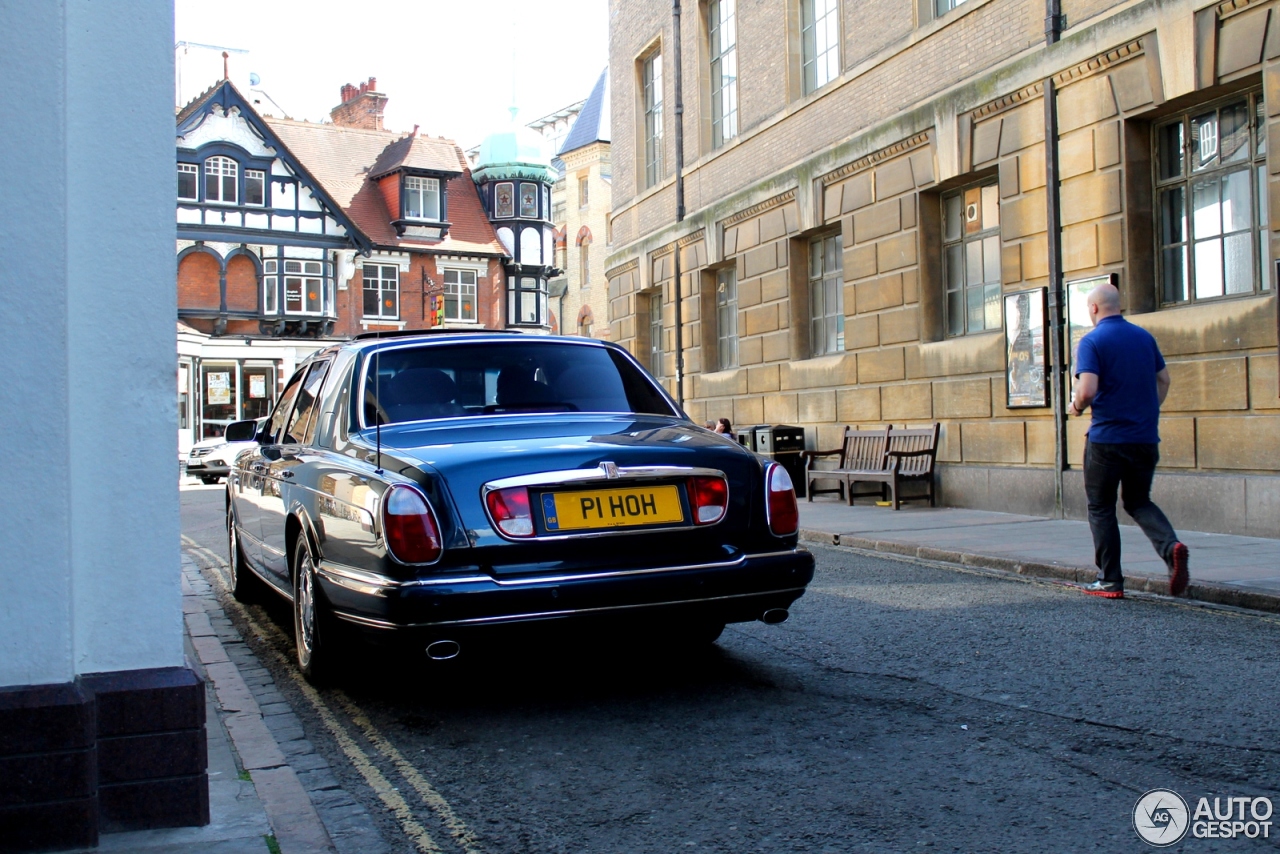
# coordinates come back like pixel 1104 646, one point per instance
pixel 89 576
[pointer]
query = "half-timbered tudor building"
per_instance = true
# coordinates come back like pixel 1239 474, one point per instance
pixel 294 233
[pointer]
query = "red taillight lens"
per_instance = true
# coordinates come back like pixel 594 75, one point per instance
pixel 784 513
pixel 709 498
pixel 510 511
pixel 409 526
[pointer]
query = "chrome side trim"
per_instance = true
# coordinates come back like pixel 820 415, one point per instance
pixel 618 573
pixel 544 615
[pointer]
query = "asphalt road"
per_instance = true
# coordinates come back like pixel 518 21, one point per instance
pixel 904 706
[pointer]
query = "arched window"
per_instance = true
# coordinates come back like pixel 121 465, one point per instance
pixel 220 175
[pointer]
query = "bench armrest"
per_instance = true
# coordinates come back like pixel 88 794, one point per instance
pixel 809 455
pixel 927 453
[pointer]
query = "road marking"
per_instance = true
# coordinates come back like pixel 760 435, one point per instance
pixel 373 776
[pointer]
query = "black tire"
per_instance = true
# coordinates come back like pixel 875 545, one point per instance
pixel 209 479
pixel 315 640
pixel 244 584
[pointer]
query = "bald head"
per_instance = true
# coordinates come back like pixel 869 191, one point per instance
pixel 1106 299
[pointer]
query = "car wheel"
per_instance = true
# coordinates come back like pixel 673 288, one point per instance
pixel 243 583
pixel 208 479
pixel 312 630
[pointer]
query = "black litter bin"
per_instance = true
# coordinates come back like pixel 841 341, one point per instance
pixel 749 437
pixel 784 445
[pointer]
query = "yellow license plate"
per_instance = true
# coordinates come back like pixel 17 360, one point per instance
pixel 612 508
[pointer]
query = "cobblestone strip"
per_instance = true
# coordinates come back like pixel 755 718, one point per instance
pixel 308 808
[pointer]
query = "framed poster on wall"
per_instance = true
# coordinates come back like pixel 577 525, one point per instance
pixel 1076 296
pixel 1026 368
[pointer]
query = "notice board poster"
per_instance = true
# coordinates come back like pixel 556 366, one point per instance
pixel 219 388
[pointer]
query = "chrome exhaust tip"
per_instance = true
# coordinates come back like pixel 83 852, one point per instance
pixel 443 650
pixel 774 616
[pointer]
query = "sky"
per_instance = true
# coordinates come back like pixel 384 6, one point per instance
pixel 450 67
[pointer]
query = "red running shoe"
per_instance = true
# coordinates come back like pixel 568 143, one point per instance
pixel 1105 589
pixel 1178 574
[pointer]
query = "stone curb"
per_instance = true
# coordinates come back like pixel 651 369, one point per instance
pixel 294 820
pixel 1201 591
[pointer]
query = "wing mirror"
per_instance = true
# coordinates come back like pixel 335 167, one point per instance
pixel 241 431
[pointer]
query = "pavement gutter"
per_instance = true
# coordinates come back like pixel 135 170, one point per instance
pixel 294 820
pixel 1201 591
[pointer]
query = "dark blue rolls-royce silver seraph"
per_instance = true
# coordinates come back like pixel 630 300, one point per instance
pixel 428 487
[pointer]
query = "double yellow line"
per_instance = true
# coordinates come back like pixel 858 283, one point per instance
pixel 390 796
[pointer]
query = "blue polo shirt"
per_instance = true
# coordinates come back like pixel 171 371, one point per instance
pixel 1126 359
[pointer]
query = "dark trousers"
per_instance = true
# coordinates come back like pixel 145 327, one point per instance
pixel 1129 468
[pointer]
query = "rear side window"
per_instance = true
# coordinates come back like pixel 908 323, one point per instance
pixel 458 380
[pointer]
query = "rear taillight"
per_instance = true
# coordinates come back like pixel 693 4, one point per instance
pixel 709 499
pixel 409 526
pixel 783 512
pixel 509 509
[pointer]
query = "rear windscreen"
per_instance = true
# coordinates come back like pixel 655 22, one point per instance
pixel 453 380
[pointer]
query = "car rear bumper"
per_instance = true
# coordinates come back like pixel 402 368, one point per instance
pixel 199 468
pixel 735 590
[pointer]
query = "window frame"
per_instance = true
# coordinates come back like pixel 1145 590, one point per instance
pixel 654 316
pixel 226 174
pixel 726 306
pixel 383 286
pixel 826 253
pixel 584 263
pixel 419 187
pixel 1189 176
pixel 517 289
pixel 460 293
pixel 194 171
pixel 724 83
pixel 260 176
pixel 986 190
pixel 825 57
pixel 651 126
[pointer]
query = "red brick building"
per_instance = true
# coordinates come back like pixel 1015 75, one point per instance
pixel 294 233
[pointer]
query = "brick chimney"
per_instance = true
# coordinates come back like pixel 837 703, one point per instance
pixel 361 106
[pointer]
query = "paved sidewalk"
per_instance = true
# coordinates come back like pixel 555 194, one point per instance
pixel 1226 569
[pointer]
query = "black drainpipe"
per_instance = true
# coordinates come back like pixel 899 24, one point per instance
pixel 679 320
pixel 1053 24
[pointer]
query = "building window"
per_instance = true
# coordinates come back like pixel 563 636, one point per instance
pixel 584 263
pixel 1211 180
pixel 727 316
pixel 421 198
pixel 826 295
pixel 504 200
pixel 527 301
pixel 381 291
pixel 270 287
pixel 655 334
pixel 722 28
pixel 652 74
pixel 255 187
pixel 942 7
pixel 460 295
pixel 529 201
pixel 303 287
pixel 971 259
pixel 584 329
pixel 220 174
pixel 820 37
pixel 188 175
pixel 584 193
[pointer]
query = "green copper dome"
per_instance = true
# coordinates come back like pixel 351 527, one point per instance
pixel 516 152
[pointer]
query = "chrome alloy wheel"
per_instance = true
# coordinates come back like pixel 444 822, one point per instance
pixel 304 607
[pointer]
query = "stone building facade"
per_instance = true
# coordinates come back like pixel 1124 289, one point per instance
pixel 865 187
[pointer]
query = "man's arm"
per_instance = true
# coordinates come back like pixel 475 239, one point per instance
pixel 1162 384
pixel 1086 391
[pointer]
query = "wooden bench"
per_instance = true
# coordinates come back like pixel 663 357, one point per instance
pixel 889 457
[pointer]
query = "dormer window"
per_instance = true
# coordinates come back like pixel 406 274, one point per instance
pixel 422 198
pixel 220 174
pixel 255 187
pixel 188 176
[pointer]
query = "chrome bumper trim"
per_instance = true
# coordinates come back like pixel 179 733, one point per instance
pixel 549 615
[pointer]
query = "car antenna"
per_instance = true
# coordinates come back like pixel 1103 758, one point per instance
pixel 377 404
